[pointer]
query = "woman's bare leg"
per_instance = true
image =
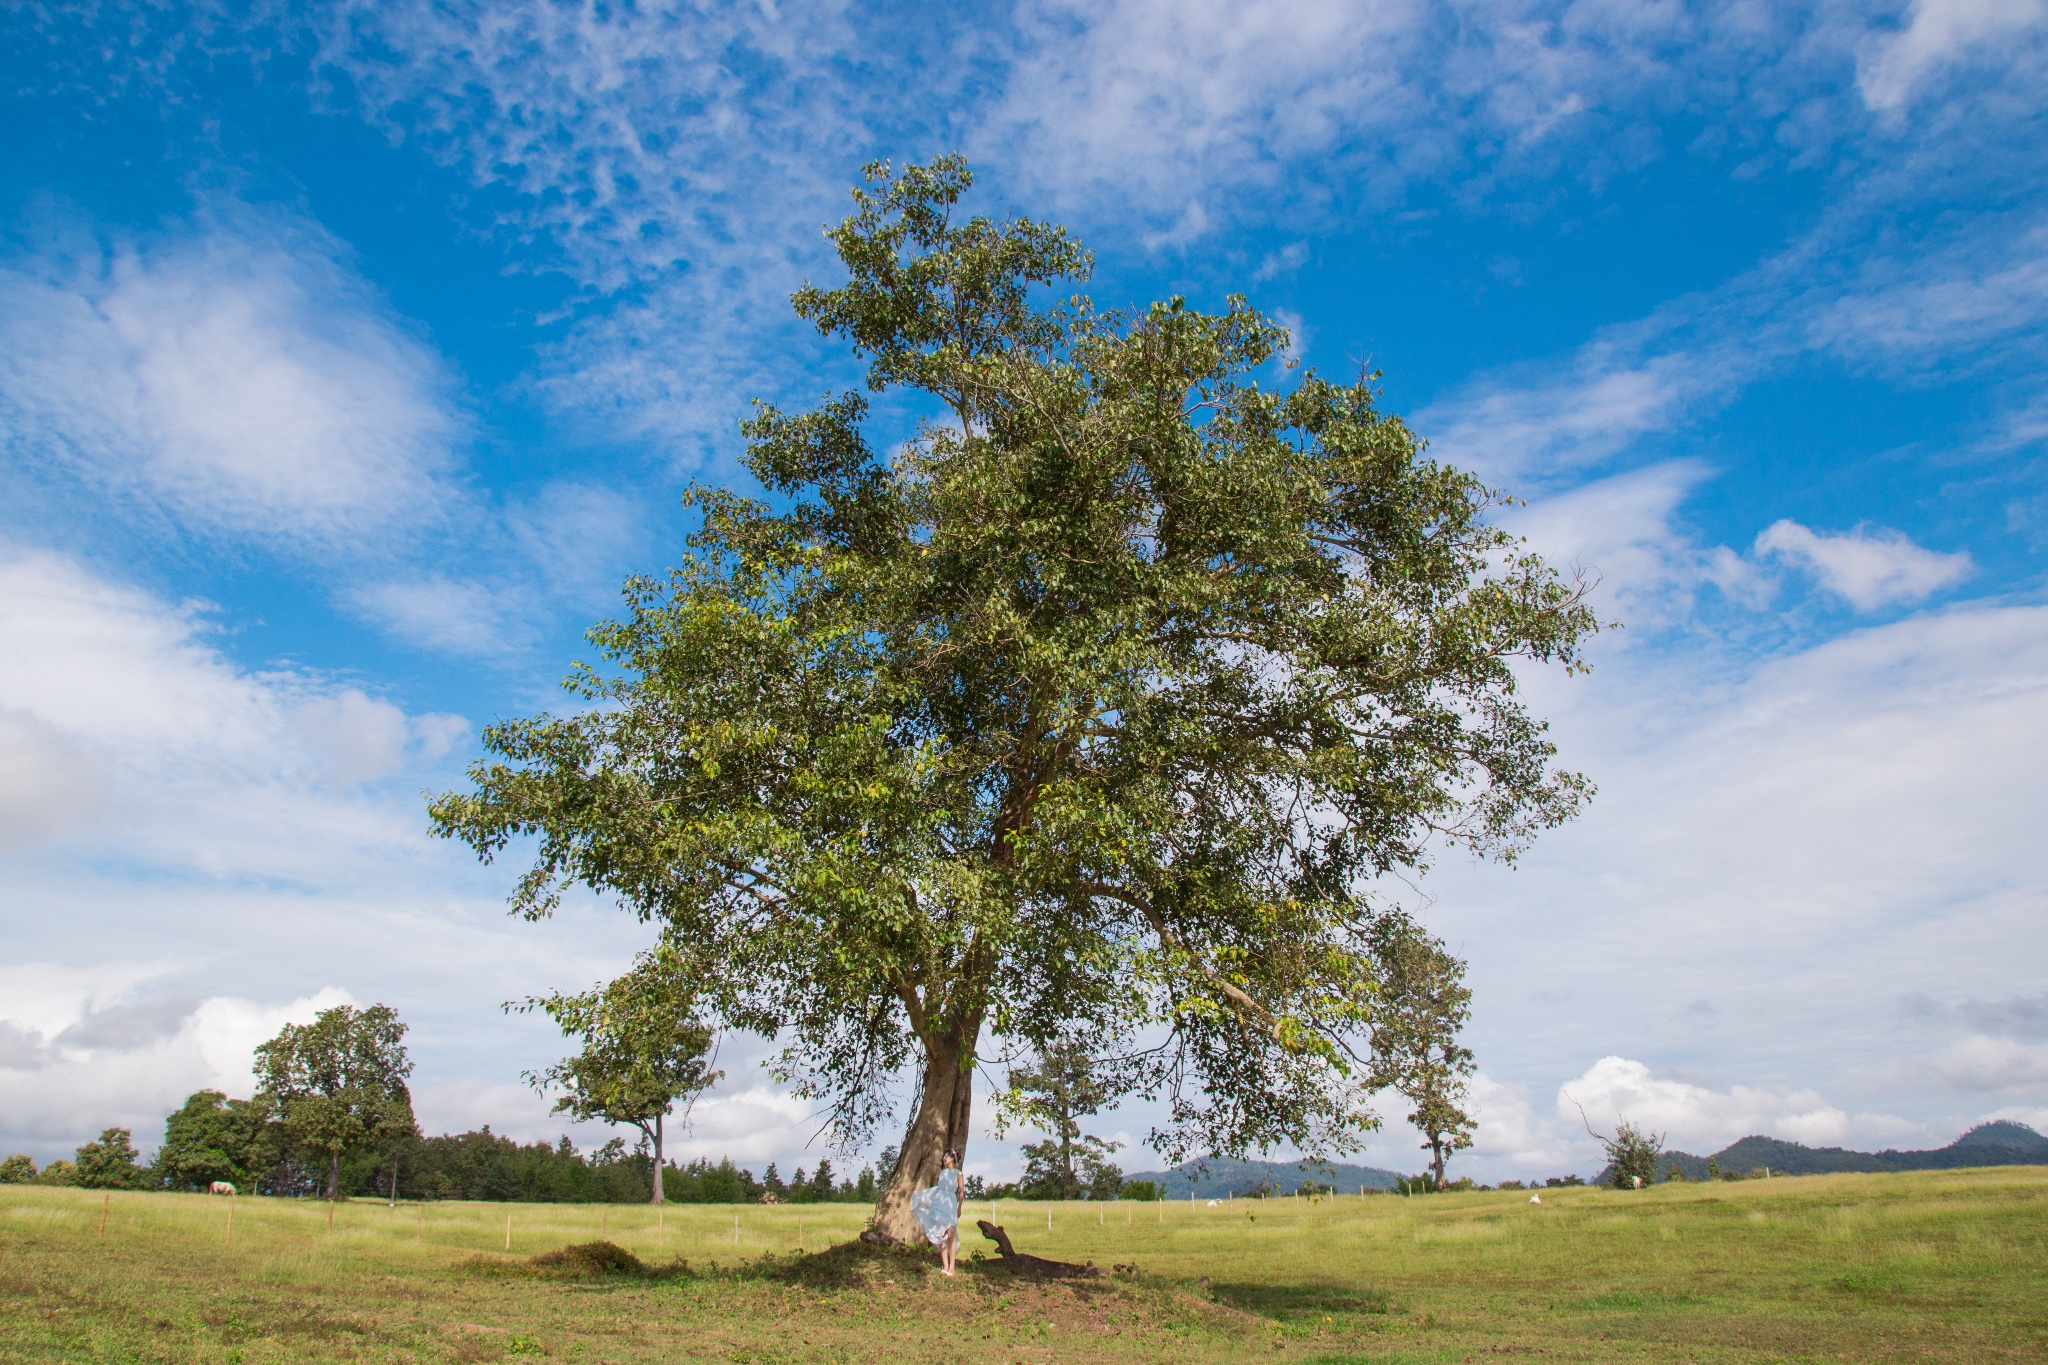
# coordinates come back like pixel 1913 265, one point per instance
pixel 949 1250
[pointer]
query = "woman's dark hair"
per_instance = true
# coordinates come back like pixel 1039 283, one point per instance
pixel 951 1158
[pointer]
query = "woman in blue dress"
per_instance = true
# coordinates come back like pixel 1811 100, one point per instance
pixel 937 1210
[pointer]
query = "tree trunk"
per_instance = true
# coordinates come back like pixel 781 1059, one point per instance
pixel 943 1111
pixel 656 1197
pixel 333 1172
pixel 1436 1148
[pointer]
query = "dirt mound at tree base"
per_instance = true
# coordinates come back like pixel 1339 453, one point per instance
pixel 595 1259
pixel 850 1265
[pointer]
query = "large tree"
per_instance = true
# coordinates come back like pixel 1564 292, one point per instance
pixel 643 1049
pixel 1094 707
pixel 338 1083
pixel 1423 1006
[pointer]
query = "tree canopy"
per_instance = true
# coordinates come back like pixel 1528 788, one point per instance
pixel 111 1163
pixel 1095 707
pixel 338 1083
pixel 211 1137
pixel 643 1048
pixel 1423 1005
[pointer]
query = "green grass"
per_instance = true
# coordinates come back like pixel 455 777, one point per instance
pixel 1943 1266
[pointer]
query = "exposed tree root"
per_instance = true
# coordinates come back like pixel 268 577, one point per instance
pixel 1037 1267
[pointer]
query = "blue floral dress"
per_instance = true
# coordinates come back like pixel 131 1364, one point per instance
pixel 937 1209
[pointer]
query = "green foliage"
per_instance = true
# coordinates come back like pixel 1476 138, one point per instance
pixel 209 1138
pixel 1093 708
pixel 58 1172
pixel 1423 1005
pixel 1053 1096
pixel 17 1169
pixel 338 1083
pixel 111 1163
pixel 642 1048
pixel 700 1182
pixel 487 1165
pixel 1143 1191
pixel 1632 1155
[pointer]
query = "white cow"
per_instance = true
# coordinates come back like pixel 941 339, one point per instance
pixel 220 1187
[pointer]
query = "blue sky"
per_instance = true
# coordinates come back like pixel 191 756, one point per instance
pixel 351 355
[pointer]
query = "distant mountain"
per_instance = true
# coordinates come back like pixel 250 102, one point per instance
pixel 2002 1133
pixel 1218 1177
pixel 2001 1143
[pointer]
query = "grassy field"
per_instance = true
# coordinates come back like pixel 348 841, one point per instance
pixel 1945 1266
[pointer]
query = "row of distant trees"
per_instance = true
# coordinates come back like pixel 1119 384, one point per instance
pixel 333 1116
pixel 201 1145
pixel 328 1092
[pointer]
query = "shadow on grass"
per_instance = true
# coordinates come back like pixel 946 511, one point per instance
pixel 1390 1358
pixel 1301 1303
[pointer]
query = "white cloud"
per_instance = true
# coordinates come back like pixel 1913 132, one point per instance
pixel 1870 567
pixel 2022 1017
pixel 1943 34
pixel 1529 428
pixel 1623 531
pixel 1513 1141
pixel 1204 113
pixel 676 162
pixel 105 1055
pixel 1986 285
pixel 50 781
pixel 447 615
pixel 2035 1118
pixel 1979 1065
pixel 1698 1119
pixel 1797 842
pixel 236 374
pixel 120 714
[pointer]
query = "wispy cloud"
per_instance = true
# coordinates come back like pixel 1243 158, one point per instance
pixel 1940 35
pixel 237 375
pixel 123 716
pixel 1870 566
